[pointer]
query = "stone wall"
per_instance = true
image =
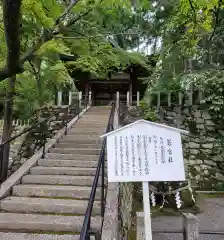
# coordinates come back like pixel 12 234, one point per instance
pixel 203 150
pixel 22 148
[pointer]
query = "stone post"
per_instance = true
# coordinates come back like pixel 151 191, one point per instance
pixel 138 99
pixel 169 99
pixel 158 100
pixel 90 98
pixel 110 230
pixel 130 94
pixel 191 227
pixel 70 98
pixel 128 99
pixel 140 228
pixel 59 102
pixel 80 100
pixel 118 100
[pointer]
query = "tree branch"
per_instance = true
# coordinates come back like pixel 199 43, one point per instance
pixel 194 12
pixel 216 19
pixel 11 17
pixel 67 10
pixel 46 36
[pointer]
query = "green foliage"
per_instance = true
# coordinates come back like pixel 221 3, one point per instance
pixel 92 46
pixel 212 83
pixel 149 113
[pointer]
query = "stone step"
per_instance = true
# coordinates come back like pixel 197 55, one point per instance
pixel 67 163
pixel 40 170
pixel 32 190
pixel 46 205
pixel 86 134
pixel 93 122
pixel 77 140
pixel 77 145
pixel 58 180
pixel 38 222
pixel 30 236
pixel 81 137
pixel 94 118
pixel 89 125
pixel 70 156
pixel 76 151
pixel 86 130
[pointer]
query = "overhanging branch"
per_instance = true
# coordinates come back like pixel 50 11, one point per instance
pixel 67 10
pixel 194 12
pixel 6 72
pixel 216 19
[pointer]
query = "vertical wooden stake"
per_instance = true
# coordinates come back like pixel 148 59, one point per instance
pixel 147 212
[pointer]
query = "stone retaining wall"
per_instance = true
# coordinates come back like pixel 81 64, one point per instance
pixel 203 151
pixel 22 148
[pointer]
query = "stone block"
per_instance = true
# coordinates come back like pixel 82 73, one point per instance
pixel 199 161
pixel 110 225
pixel 210 163
pixel 191 226
pixel 192 162
pixel 197 114
pixel 194 151
pixel 186 111
pixel 200 121
pixel 218 158
pixel 209 123
pixel 194 145
pixel 207 145
pixel 198 177
pixel 200 126
pixel 206 115
pixel 197 168
pixel 210 128
pixel 192 157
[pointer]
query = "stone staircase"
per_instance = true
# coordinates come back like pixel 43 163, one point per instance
pixel 50 201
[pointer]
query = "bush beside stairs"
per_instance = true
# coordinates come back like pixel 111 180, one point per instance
pixel 51 200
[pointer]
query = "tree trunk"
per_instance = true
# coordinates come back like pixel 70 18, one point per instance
pixel 7 127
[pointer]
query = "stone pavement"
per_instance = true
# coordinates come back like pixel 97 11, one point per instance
pixel 212 217
pixel 211 220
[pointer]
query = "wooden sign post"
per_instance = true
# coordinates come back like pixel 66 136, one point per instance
pixel 145 152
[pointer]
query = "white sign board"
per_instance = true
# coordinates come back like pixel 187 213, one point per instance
pixel 143 152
